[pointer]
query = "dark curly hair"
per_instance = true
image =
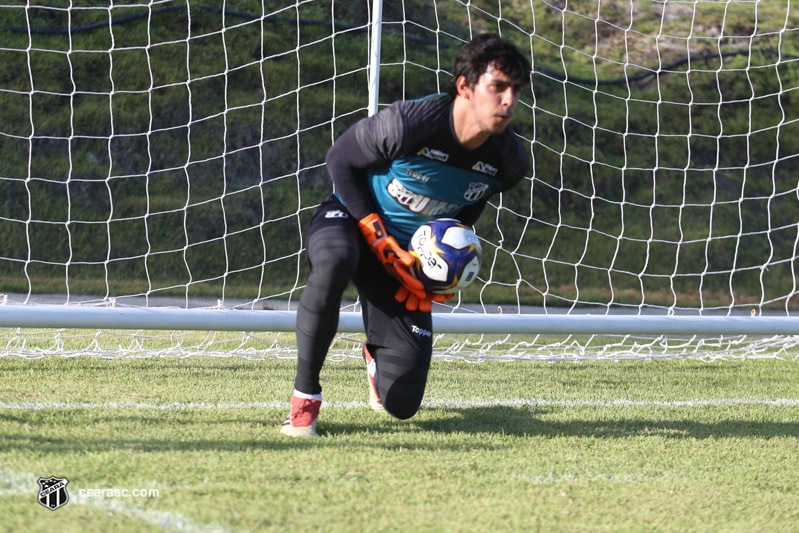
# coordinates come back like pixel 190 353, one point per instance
pixel 474 57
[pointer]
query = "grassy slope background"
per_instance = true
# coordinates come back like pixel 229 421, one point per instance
pixel 235 154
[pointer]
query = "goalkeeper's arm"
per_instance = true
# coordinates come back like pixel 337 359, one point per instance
pixel 347 166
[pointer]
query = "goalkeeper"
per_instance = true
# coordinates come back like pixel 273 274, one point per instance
pixel 438 157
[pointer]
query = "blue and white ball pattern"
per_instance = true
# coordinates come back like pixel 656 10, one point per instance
pixel 448 255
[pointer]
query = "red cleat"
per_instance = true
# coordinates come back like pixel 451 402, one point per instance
pixel 302 418
pixel 371 368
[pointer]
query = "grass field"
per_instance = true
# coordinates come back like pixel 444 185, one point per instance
pixel 632 446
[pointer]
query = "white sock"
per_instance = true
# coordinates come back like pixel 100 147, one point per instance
pixel 305 396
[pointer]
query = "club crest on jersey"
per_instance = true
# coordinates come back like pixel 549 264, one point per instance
pixel 485 168
pixel 432 153
pixel 475 191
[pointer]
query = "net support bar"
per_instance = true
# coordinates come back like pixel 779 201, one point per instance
pixel 82 317
pixel 374 55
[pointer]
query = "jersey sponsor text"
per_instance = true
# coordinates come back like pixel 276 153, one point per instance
pixel 417 175
pixel 435 155
pixel 419 203
pixel 421 331
pixel 485 168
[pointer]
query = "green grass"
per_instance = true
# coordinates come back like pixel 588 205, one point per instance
pixel 597 446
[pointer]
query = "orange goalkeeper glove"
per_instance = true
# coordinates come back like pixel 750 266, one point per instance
pixel 397 261
pixel 414 302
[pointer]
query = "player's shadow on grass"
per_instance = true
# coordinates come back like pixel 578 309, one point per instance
pixel 527 421
pixel 486 421
pixel 126 442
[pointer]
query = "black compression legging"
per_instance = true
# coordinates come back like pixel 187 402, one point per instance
pixel 336 255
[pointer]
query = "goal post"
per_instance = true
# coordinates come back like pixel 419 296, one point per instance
pixel 161 161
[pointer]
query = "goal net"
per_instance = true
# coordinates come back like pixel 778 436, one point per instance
pixel 161 161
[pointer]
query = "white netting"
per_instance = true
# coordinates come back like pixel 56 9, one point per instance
pixel 171 153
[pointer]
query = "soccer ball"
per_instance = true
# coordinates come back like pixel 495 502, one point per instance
pixel 448 255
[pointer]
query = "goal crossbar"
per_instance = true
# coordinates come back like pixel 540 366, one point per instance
pixel 81 317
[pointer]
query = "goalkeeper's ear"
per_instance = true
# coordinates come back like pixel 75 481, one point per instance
pixel 464 90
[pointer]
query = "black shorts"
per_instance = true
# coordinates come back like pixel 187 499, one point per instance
pixel 387 322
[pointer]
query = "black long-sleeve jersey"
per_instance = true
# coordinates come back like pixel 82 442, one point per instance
pixel 406 164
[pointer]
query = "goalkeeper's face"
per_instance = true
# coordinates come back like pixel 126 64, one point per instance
pixel 493 99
